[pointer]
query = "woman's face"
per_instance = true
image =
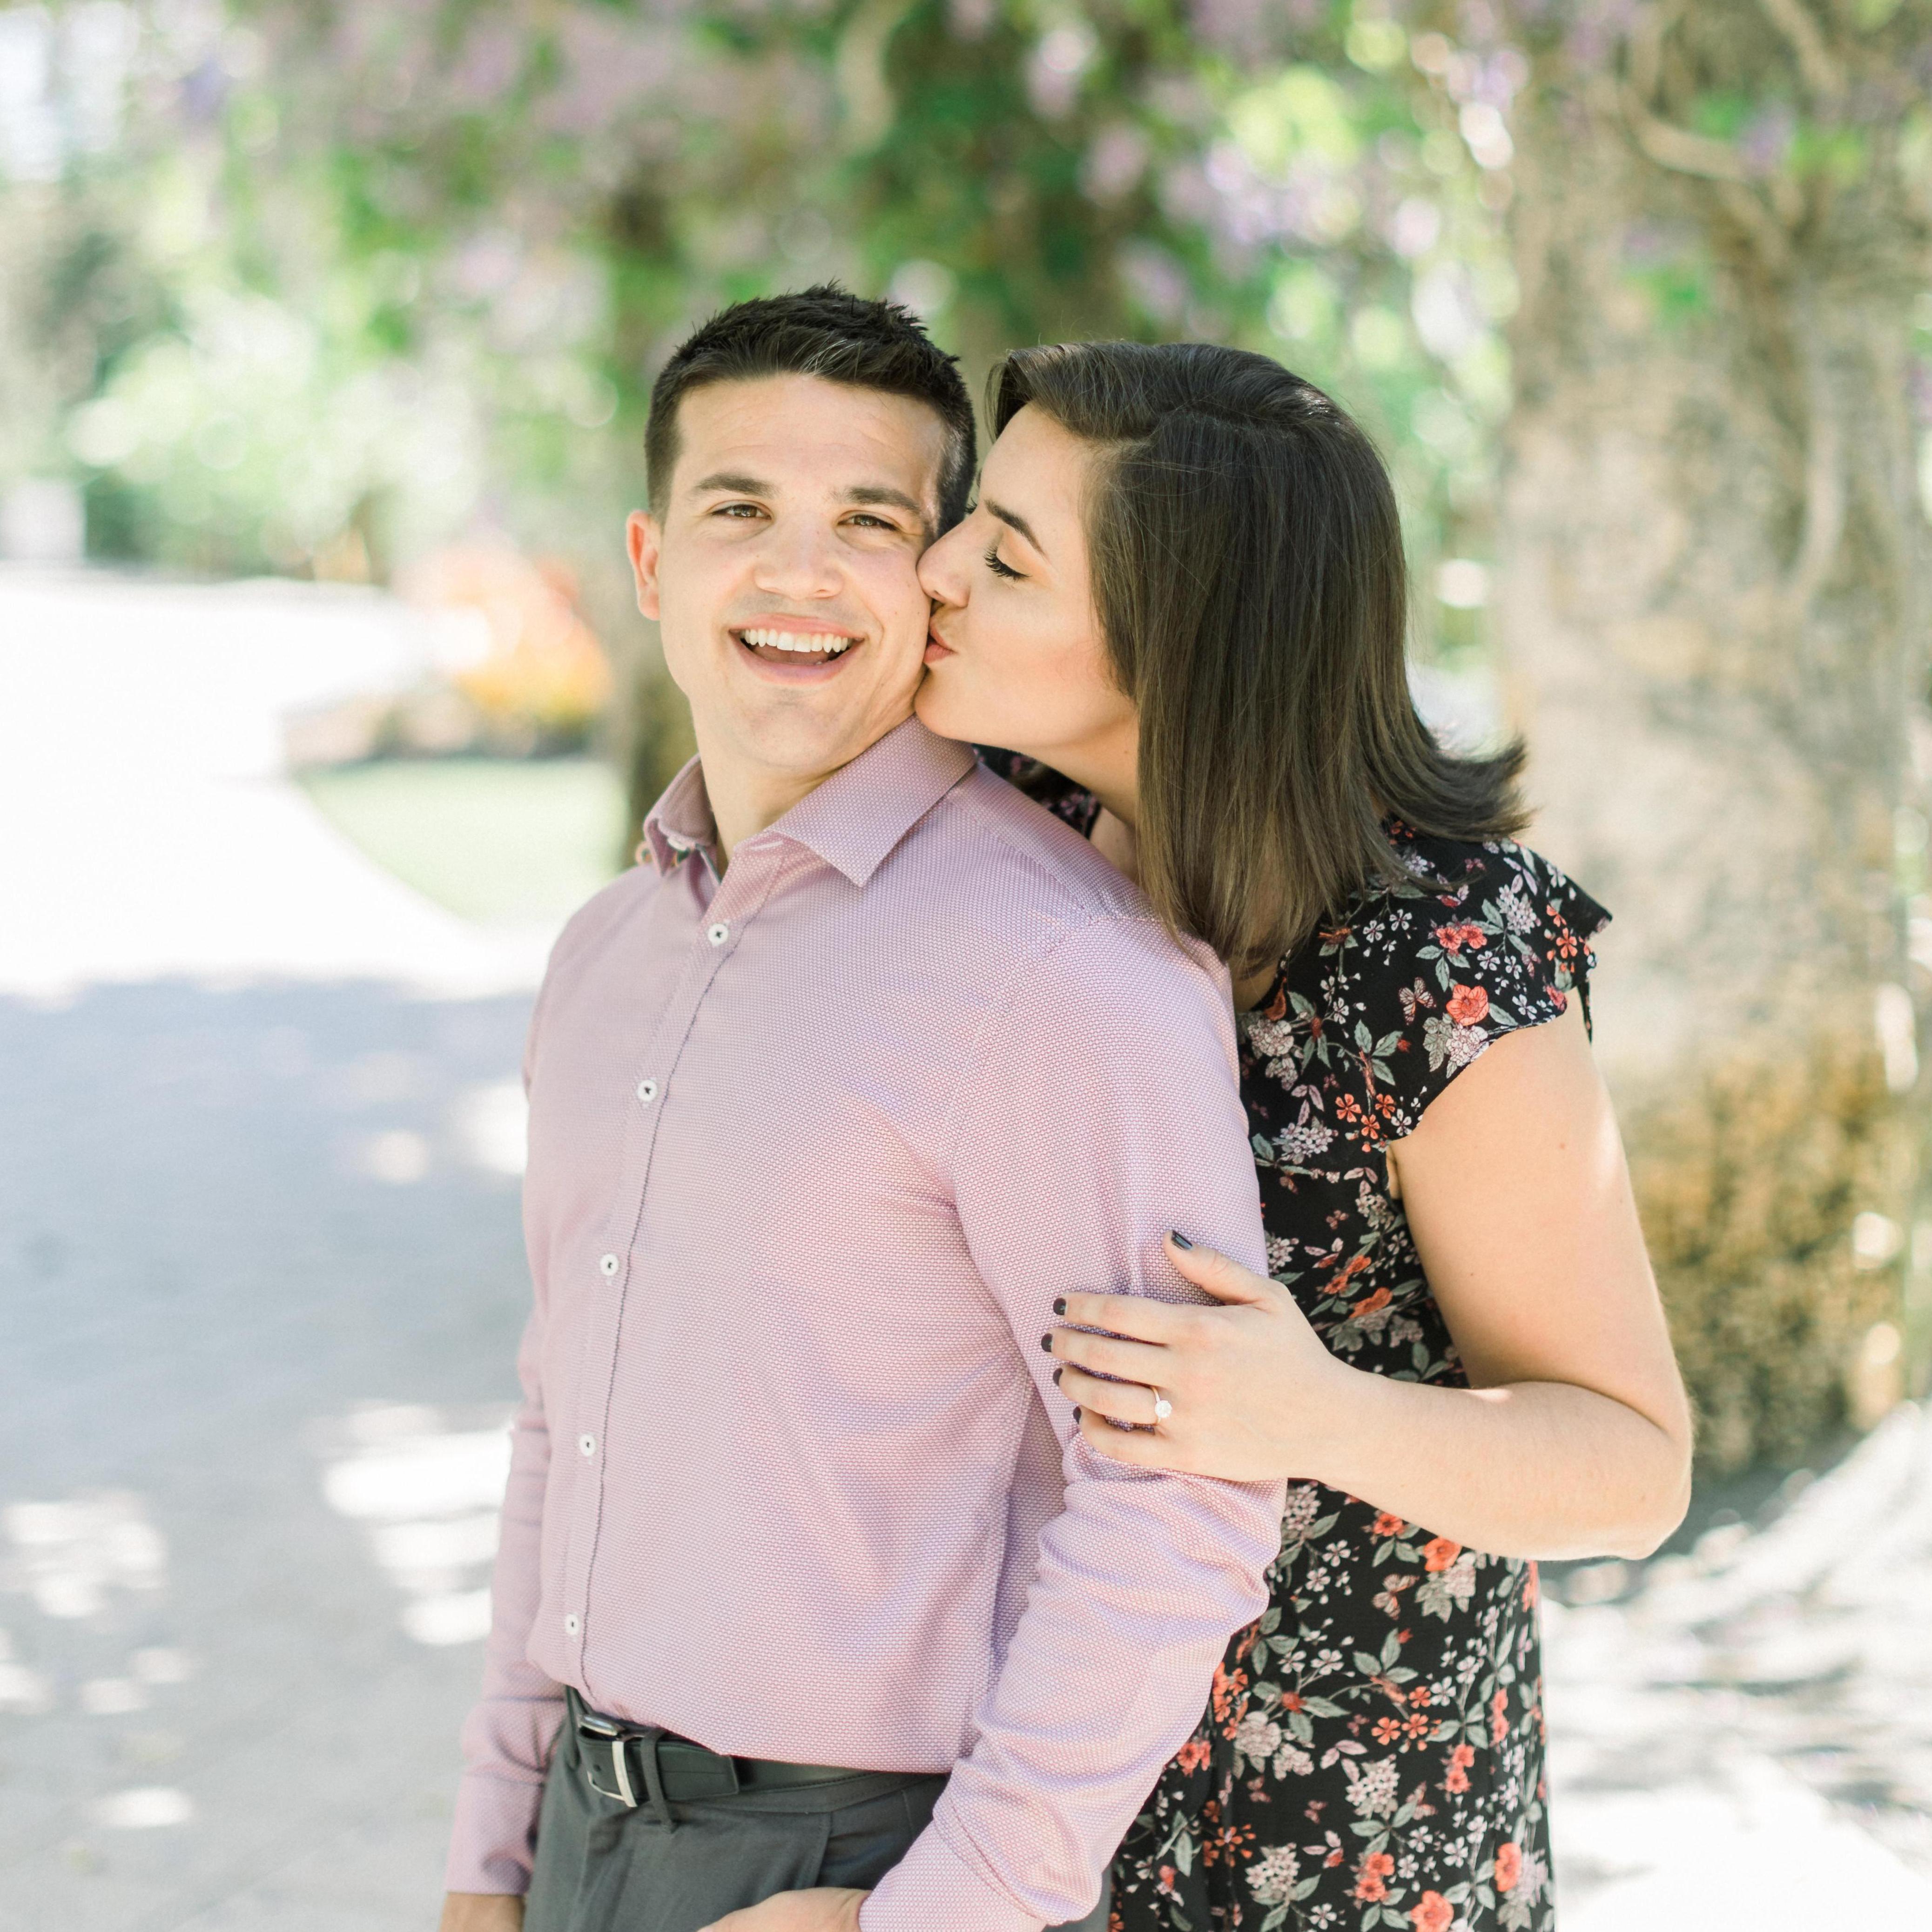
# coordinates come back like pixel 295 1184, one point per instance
pixel 1016 657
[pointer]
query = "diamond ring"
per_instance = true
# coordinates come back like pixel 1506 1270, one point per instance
pixel 1163 1408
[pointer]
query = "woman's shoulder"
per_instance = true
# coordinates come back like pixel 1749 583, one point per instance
pixel 1498 878
pixel 1475 939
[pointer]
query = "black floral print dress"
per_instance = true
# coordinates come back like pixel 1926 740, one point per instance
pixel 1373 1754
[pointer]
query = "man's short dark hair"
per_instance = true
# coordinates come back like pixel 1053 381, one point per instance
pixel 829 332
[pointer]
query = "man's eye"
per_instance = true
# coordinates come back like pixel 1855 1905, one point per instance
pixel 740 510
pixel 875 523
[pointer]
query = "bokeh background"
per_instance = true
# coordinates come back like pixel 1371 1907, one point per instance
pixel 325 335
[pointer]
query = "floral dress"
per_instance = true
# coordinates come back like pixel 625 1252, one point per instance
pixel 1373 1754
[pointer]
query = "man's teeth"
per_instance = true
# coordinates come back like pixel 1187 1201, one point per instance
pixel 817 643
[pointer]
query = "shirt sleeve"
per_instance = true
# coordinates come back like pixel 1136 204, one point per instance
pixel 1105 1109
pixel 508 1737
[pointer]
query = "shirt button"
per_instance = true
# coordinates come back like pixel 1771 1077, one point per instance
pixel 609 1264
pixel 718 934
pixel 572 1623
pixel 588 1444
pixel 647 1091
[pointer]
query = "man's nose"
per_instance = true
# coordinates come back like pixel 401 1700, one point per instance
pixel 799 562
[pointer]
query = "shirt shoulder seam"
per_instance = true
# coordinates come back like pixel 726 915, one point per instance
pixel 1088 904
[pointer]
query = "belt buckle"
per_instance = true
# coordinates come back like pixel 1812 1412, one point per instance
pixel 606 1750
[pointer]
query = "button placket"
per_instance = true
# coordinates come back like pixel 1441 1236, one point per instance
pixel 746 887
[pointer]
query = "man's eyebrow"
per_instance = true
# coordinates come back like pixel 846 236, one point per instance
pixel 879 492
pixel 1015 520
pixel 896 499
pixel 734 480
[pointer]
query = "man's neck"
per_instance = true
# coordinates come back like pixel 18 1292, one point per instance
pixel 746 797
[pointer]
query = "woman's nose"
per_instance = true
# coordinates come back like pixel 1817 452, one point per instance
pixel 942 575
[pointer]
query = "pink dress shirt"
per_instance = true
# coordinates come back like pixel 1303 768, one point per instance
pixel 813 1147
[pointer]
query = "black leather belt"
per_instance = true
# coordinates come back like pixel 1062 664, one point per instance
pixel 644 1764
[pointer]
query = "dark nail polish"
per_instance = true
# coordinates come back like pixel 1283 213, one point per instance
pixel 1181 1241
pixel 1059 1304
pixel 1046 1343
pixel 1076 1415
pixel 1057 1374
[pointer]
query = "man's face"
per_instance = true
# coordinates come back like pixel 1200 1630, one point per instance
pixel 784 570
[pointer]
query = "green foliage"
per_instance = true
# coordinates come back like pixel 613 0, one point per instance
pixel 399 267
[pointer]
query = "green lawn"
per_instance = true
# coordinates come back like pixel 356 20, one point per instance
pixel 497 840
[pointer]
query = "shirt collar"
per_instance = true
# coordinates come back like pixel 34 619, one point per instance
pixel 681 821
pixel 851 821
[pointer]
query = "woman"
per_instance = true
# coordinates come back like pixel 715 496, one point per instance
pixel 1182 590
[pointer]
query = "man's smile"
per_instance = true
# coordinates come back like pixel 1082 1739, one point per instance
pixel 795 644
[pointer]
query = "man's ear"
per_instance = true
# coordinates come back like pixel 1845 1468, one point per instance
pixel 644 539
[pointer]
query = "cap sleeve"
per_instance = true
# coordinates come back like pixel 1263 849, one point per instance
pixel 1507 946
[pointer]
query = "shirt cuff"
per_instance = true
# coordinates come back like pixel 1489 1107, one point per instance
pixel 492 1845
pixel 933 1889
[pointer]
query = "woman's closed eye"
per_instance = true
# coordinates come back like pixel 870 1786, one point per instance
pixel 998 568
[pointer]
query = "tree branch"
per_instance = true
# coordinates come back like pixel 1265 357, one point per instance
pixel 1824 526
pixel 1678 149
pixel 1816 62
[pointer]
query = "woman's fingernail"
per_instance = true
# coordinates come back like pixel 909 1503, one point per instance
pixel 1046 1343
pixel 1076 1415
pixel 1059 1304
pixel 1179 1240
pixel 1057 1374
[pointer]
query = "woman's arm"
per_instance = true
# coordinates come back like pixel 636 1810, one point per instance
pixel 1574 1439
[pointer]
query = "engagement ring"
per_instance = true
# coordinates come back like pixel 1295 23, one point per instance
pixel 1163 1408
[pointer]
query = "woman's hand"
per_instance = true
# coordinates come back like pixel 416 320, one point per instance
pixel 1573 1440
pixel 1254 1396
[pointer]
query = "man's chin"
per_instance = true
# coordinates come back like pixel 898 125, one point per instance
pixel 791 737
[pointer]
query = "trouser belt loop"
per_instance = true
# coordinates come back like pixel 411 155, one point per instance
pixel 646 1740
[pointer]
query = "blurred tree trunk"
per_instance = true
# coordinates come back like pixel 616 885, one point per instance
pixel 1713 605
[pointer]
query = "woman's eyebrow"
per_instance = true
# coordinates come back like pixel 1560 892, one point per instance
pixel 1014 520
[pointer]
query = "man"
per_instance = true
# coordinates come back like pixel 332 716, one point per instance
pixel 807 1585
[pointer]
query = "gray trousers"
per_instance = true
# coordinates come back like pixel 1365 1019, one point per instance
pixel 603 1867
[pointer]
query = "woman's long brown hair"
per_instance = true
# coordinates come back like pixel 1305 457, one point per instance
pixel 1249 575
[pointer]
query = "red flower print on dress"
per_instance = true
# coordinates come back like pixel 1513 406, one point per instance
pixel 1469 1006
pixel 1457 1778
pixel 1432 1912
pixel 1509 1866
pixel 1230 1699
pixel 1371 1877
pixel 1387 1526
pixel 1354 1265
pixel 1440 1553
pixel 1499 1716
pixel 1192 1755
pixel 1452 939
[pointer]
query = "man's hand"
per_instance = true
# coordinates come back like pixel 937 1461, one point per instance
pixel 825 1908
pixel 481 1911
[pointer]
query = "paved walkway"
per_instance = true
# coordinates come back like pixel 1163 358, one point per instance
pixel 260 1283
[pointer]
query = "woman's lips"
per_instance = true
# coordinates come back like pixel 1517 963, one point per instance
pixel 937 650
